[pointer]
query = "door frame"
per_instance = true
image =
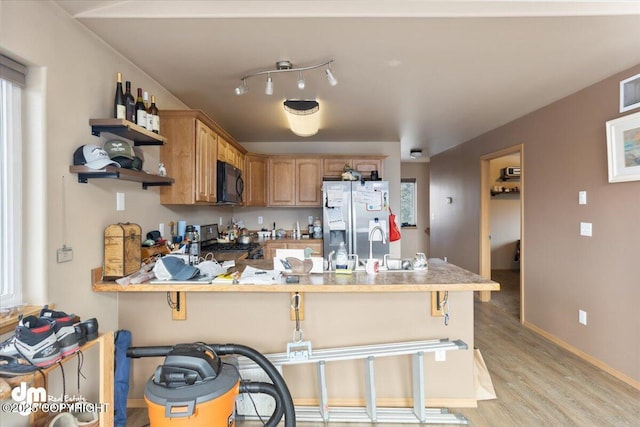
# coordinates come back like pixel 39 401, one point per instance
pixel 485 219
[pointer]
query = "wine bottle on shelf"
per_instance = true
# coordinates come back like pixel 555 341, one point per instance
pixel 130 104
pixel 141 112
pixel 119 109
pixel 152 112
pixel 145 100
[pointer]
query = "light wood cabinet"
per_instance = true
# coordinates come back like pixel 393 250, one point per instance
pixel 333 166
pixel 255 180
pixel 270 246
pixel 191 156
pixel 295 181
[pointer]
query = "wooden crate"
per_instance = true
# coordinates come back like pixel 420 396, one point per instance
pixel 122 250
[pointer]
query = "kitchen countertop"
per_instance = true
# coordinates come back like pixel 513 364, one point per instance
pixel 440 276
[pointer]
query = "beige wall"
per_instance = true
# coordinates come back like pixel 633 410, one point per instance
pixel 417 239
pixel 564 152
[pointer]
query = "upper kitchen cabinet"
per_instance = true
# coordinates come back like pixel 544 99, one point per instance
pixel 229 153
pixel 295 181
pixel 256 175
pixel 190 157
pixel 333 166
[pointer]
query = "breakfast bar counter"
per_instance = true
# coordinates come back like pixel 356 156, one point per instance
pixel 440 276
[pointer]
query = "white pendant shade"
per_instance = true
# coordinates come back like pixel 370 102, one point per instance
pixel 303 116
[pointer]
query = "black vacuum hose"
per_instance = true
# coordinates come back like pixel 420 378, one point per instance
pixel 270 370
pixel 265 388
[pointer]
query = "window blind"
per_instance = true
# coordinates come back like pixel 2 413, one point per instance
pixel 12 71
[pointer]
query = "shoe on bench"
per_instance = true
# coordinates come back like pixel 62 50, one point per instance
pixel 63 328
pixel 35 341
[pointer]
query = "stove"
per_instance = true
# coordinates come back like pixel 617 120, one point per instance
pixel 209 243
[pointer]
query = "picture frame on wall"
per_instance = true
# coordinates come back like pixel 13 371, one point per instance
pixel 630 93
pixel 623 148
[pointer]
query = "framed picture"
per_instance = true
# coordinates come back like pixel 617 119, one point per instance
pixel 623 148
pixel 630 93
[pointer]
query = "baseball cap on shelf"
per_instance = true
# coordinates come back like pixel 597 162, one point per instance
pixel 173 268
pixel 93 157
pixel 122 152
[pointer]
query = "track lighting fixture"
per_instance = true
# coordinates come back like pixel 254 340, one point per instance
pixel 284 67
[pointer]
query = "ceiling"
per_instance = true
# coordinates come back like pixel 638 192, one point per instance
pixel 431 74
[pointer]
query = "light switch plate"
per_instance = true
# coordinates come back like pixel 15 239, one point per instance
pixel 441 356
pixel 586 229
pixel 582 197
pixel 119 201
pixel 582 317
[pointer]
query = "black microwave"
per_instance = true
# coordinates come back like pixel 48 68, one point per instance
pixel 229 183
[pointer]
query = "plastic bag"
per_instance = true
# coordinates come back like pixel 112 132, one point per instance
pixel 394 231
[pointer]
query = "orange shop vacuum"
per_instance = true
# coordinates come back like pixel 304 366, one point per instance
pixel 198 383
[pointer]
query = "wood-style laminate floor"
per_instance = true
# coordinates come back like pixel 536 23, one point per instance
pixel 536 382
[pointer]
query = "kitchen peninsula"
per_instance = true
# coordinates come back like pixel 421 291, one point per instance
pixel 337 310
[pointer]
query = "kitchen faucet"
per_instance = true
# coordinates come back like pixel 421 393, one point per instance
pixel 329 258
pixel 384 239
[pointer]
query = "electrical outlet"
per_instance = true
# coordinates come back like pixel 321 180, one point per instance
pixel 586 229
pixel 119 201
pixel 64 254
pixel 260 220
pixel 582 317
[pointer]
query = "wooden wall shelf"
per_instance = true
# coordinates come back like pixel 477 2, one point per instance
pixel 126 129
pixel 147 179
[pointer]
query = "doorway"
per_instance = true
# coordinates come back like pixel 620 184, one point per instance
pixel 501 227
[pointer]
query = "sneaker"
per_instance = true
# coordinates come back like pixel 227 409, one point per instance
pixel 63 328
pixel 11 366
pixel 35 341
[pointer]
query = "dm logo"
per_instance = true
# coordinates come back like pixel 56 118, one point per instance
pixel 28 395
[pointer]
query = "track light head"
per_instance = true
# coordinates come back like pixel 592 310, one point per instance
pixel 242 89
pixel 332 79
pixel 269 87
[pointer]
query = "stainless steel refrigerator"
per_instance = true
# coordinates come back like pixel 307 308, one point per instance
pixel 354 211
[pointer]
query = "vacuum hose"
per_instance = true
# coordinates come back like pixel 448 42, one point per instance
pixel 284 401
pixel 265 388
pixel 270 370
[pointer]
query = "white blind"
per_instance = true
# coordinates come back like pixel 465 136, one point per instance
pixel 12 71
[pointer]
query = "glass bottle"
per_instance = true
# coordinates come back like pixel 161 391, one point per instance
pixel 141 112
pixel 152 114
pixel 130 104
pixel 119 109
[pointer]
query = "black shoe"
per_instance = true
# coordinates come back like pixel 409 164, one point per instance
pixel 81 333
pixel 91 325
